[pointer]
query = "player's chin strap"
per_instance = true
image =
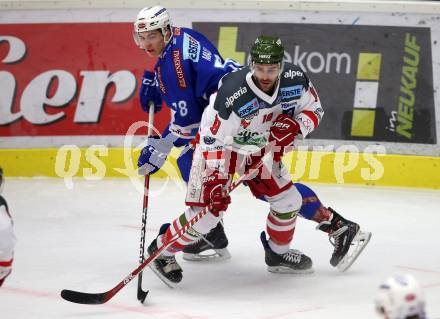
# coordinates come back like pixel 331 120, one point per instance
pixel 164 33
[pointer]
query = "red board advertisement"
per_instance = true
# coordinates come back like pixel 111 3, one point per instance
pixel 71 79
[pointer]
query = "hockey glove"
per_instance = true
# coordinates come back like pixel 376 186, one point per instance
pixel 153 155
pixel 149 92
pixel 215 194
pixel 283 132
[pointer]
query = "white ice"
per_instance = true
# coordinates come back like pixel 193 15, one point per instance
pixel 87 239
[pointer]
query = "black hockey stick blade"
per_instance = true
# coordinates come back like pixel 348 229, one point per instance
pixel 141 294
pixel 83 297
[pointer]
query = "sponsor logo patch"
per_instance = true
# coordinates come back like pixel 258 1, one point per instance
pixel 292 74
pixel 248 108
pixel 307 123
pixel 206 54
pixel 191 48
pixel 319 112
pixel 291 92
pixel 181 133
pixel 250 138
pixel 159 12
pixel 159 78
pixel 214 148
pixel 288 105
pixel 230 99
pixel 179 70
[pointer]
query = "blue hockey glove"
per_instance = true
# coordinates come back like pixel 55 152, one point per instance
pixel 149 92
pixel 153 155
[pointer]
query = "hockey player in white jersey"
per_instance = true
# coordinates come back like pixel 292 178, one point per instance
pixel 400 297
pixel 268 102
pixel 7 237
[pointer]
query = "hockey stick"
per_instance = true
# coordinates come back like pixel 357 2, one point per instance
pixel 100 298
pixel 142 294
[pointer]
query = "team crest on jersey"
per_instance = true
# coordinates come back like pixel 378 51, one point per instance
pixel 247 120
pixel 248 108
pixel 208 140
pixel 291 92
pixel 177 61
pixel 191 48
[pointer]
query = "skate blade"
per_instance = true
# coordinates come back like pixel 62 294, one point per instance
pixel 287 270
pixel 166 281
pixel 358 244
pixel 209 255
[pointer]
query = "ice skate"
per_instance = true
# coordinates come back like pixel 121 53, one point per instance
pixel 212 246
pixel 291 262
pixel 347 238
pixel 165 267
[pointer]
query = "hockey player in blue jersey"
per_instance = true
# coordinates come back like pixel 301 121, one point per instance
pixel 187 72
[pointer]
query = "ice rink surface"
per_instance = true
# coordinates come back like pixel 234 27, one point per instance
pixel 87 239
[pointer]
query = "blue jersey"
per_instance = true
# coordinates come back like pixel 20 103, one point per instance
pixel 188 72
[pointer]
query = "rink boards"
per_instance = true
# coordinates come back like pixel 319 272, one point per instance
pixel 349 167
pixel 67 101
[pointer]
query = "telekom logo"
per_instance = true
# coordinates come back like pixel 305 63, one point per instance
pixel 63 87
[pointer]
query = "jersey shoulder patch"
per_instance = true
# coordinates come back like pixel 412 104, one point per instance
pixel 293 81
pixel 191 46
pixel 233 93
pixel 292 75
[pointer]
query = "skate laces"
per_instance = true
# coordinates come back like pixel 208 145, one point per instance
pixel 200 239
pixel 170 264
pixel 334 236
pixel 206 241
pixel 293 256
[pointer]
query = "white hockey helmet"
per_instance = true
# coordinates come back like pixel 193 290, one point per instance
pixel 153 18
pixel 399 297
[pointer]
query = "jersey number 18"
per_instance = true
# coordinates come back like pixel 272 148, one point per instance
pixel 180 107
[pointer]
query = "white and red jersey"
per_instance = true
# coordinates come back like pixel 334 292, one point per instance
pixel 7 240
pixel 240 115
